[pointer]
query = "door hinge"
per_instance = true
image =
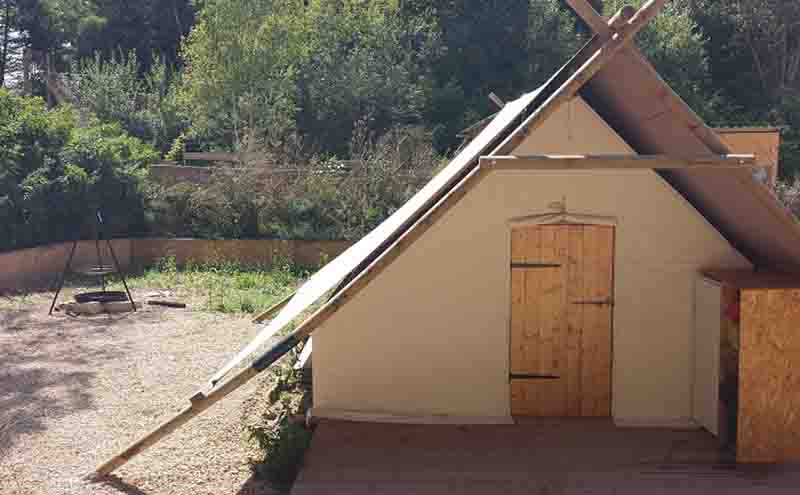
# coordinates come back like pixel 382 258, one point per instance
pixel 522 376
pixel 535 265
pixel 597 302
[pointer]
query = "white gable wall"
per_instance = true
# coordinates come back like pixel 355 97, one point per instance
pixel 429 335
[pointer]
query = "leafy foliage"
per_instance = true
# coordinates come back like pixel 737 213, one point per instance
pixel 282 439
pixel 114 91
pixel 240 75
pixel 754 49
pixel 301 81
pixel 364 65
pixel 54 176
pixel 325 199
pixel 675 46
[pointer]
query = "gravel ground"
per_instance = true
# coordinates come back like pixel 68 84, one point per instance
pixel 74 391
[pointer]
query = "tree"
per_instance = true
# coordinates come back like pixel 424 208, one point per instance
pixel 8 11
pixel 770 32
pixel 54 175
pixel 552 39
pixel 240 75
pixel 484 48
pixel 148 27
pixel 365 65
pixel 145 105
pixel 755 60
pixel 676 46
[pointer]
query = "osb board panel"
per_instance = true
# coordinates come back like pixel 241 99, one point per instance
pixel 553 334
pixel 769 377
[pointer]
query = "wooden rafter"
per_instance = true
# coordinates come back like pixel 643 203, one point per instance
pixel 597 23
pixel 626 30
pixel 615 162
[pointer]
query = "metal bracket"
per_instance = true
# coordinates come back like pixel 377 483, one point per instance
pixel 524 376
pixel 596 302
pixel 535 265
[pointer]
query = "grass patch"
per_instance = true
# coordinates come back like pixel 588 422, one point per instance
pixel 226 287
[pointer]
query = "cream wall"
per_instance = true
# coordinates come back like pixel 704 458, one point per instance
pixel 429 336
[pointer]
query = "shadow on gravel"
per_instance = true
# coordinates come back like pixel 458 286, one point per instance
pixel 47 365
pixel 120 485
pixel 257 485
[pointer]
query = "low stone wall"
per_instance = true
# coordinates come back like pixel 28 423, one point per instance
pixel 40 267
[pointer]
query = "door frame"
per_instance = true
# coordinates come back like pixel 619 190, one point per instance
pixel 562 218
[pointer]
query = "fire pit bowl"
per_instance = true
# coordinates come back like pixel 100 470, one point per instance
pixel 101 296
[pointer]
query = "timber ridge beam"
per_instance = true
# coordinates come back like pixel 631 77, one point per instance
pixel 615 162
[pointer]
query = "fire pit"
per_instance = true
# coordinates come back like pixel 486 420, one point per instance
pixel 101 296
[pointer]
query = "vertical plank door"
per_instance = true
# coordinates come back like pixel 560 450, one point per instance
pixel 561 287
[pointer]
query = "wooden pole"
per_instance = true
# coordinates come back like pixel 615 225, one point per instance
pixel 615 162
pixel 274 308
pixel 198 403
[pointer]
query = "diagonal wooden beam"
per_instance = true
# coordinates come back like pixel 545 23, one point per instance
pixel 591 17
pixel 597 23
pixel 628 27
pixel 615 162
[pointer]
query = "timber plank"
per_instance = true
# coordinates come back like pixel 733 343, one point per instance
pixel 518 299
pixel 548 304
pixel 574 335
pixel 538 397
pixel 590 317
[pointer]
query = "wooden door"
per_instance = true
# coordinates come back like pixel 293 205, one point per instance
pixel 561 304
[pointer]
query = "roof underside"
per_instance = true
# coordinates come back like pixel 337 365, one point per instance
pixel 653 120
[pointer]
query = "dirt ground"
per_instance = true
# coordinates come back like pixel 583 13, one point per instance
pixel 73 391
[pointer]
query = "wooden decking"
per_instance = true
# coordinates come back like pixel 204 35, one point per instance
pixel 536 457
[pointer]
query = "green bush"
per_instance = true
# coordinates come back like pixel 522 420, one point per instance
pixel 283 441
pixel 54 175
pixel 145 105
pixel 327 199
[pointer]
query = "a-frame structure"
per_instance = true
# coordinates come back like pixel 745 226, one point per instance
pixel 675 143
